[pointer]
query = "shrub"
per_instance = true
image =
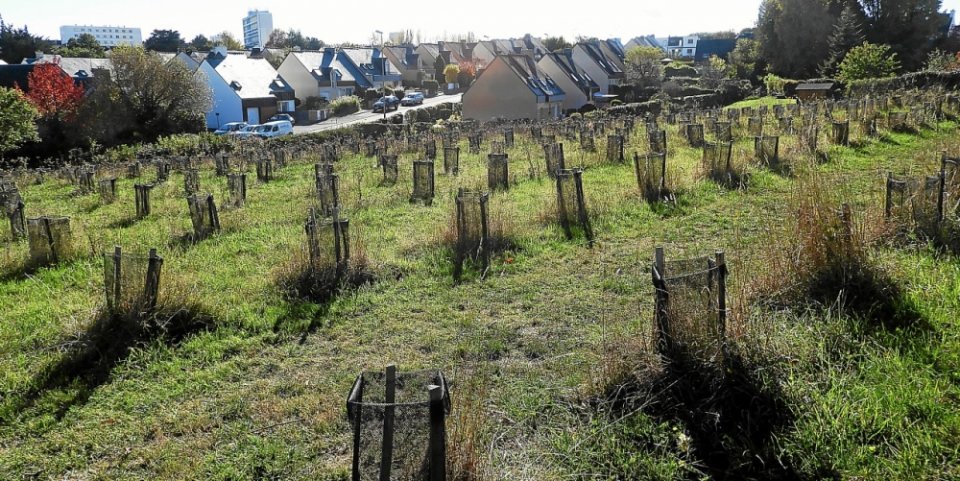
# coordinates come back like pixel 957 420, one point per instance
pixel 672 71
pixel 399 93
pixel 345 105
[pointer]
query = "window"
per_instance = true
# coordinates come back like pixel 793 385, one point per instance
pixel 689 41
pixel 689 51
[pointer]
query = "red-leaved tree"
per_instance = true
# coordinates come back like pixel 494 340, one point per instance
pixel 53 92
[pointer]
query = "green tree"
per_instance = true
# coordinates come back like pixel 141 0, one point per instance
pixel 643 67
pixel 164 41
pixel 867 61
pixel 17 44
pixel 910 27
pixel 201 43
pixel 450 73
pixel 745 60
pixel 144 99
pixel 793 36
pixel 84 46
pixel 556 43
pixel 17 117
pixel 714 72
pixel 940 61
pixel 847 34
pixel 225 39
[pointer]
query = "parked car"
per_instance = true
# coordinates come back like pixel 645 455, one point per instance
pixel 277 128
pixel 230 127
pixel 412 98
pixel 246 132
pixel 287 117
pixel 390 101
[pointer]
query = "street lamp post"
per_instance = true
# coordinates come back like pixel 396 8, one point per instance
pixel 383 80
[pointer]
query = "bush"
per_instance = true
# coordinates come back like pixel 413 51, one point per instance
pixel 915 80
pixel 431 86
pixel 345 105
pixel 399 93
pixel 671 71
pixel 314 103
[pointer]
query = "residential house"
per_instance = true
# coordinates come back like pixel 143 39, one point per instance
pixel 429 52
pixel 244 89
pixel 14 76
pixel 82 70
pixel 334 72
pixel 187 61
pixel 648 41
pixel 576 84
pixel 613 50
pixel 595 60
pixel 408 62
pixel 682 47
pixel 513 87
pixel 708 47
pixel 485 51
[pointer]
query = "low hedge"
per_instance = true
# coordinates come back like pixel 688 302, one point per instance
pixel 914 80
pixel 345 105
pixel 671 71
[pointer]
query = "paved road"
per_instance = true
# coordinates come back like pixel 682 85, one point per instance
pixel 366 116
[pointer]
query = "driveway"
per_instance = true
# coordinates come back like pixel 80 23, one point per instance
pixel 366 116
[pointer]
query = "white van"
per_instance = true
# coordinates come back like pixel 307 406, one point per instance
pixel 277 128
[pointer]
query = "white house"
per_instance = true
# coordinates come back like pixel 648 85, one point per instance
pixel 243 89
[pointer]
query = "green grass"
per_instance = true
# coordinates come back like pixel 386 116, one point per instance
pixel 758 102
pixel 261 394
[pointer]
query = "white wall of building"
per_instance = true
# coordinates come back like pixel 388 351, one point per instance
pixel 257 26
pixel 107 36
pixel 226 102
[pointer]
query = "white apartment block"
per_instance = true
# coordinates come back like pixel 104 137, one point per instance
pixel 257 26
pixel 107 36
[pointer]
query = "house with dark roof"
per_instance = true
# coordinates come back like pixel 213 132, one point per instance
pixel 599 64
pixel 335 72
pixel 14 76
pixel 648 41
pixel 513 87
pixel 708 47
pixel 408 62
pixel 576 83
pixel 82 70
pixel 243 88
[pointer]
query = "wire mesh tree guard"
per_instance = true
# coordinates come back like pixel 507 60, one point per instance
pixel 86 180
pixel 399 425
pixel 142 199
pixel 131 282
pixel 717 160
pixel 690 306
pixel 50 240
pixel 236 190
pixel 614 148
pixel 221 163
pixel 108 189
pixel 163 171
pixel 328 243
pixel 651 171
pixel 423 182
pixel 694 135
pixel 451 160
pixel 508 137
pixel 475 141
pixel 723 131
pixel 473 230
pixel 767 149
pixel 553 155
pixel 133 170
pixel 391 169
pixel 498 172
pixel 785 125
pixel 191 181
pixel 203 215
pixel 657 140
pixel 841 132
pixel 430 149
pixel 264 169
pixel 754 127
pixel 587 140
pixel 327 185
pixel 916 204
pixel 572 205
pixel 13 208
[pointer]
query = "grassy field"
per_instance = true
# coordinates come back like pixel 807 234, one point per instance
pixel 550 352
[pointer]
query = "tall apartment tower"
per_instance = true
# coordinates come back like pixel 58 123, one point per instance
pixel 257 26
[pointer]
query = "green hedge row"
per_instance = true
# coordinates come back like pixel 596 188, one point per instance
pixel 910 81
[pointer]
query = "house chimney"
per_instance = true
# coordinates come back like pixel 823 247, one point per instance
pixel 255 52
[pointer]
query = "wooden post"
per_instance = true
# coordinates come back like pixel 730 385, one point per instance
pixel 357 413
pixel 386 459
pixel 721 294
pixel 214 216
pixel 438 435
pixel 562 204
pixel 152 284
pixel 660 313
pixel 888 201
pixel 117 273
pixel 49 235
pixel 943 186
pixel 582 207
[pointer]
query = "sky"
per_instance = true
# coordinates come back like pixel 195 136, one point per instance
pixel 335 22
